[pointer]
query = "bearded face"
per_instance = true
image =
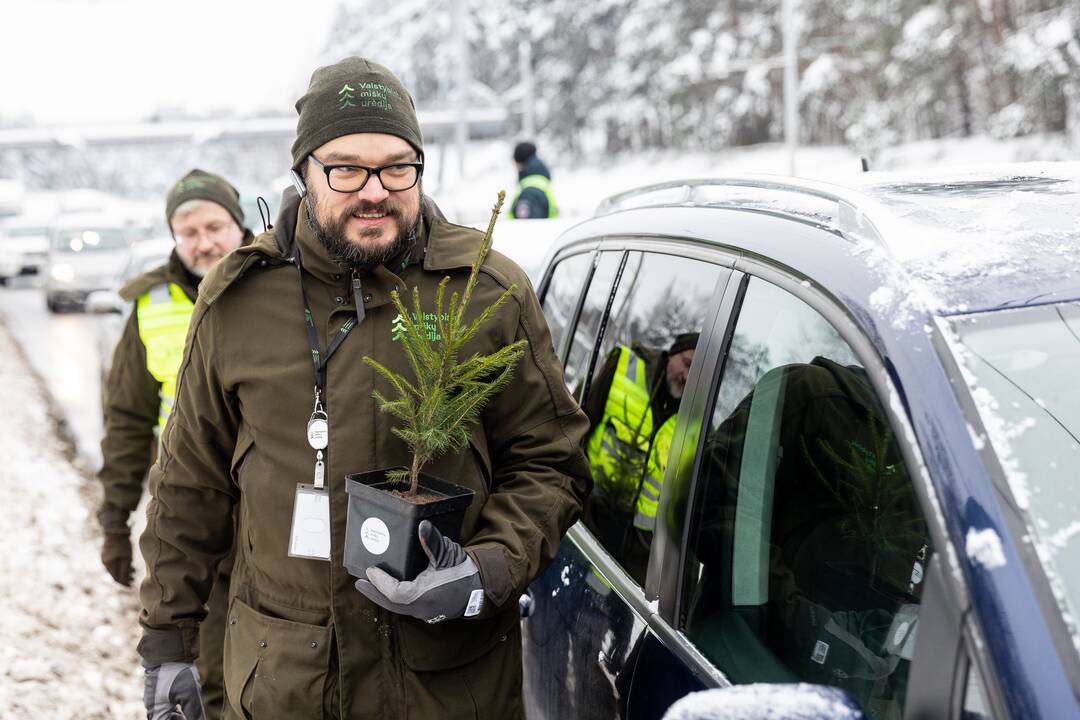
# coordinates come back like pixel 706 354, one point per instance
pixel 678 369
pixel 205 232
pixel 370 226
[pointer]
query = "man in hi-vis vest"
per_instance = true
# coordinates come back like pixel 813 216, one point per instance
pixel 204 214
pixel 632 406
pixel 534 198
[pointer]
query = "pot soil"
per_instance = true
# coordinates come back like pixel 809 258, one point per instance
pixel 381 528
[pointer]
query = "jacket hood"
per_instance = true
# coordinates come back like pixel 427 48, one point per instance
pixel 534 166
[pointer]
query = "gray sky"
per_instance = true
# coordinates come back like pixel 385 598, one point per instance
pixel 94 61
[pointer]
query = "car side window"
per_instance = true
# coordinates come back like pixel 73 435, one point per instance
pixel 807 547
pixel 563 291
pixel 588 323
pixel 647 347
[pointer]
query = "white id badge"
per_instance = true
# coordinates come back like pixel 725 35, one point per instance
pixel 310 536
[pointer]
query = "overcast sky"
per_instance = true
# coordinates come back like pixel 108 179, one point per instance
pixel 91 61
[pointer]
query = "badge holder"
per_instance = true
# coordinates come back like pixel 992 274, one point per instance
pixel 310 534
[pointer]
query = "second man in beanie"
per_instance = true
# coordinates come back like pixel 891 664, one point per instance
pixel 203 212
pixel 283 324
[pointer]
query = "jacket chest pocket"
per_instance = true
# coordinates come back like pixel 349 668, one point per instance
pixel 273 667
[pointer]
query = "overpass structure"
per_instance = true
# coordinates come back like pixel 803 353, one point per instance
pixel 438 126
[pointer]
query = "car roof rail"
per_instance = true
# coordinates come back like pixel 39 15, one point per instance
pixel 831 207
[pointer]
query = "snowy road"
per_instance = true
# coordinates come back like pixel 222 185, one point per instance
pixel 67 632
pixel 63 350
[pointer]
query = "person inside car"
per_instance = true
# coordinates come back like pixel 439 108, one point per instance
pixel 632 406
pixel 204 214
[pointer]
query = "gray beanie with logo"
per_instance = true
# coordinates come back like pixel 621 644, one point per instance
pixel 202 185
pixel 354 95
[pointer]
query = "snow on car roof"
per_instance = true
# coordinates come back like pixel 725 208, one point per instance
pixel 961 241
pixel 984 238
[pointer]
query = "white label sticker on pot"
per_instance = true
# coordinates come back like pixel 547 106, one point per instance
pixel 375 535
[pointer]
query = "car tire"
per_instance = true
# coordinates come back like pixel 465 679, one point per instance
pixel 51 303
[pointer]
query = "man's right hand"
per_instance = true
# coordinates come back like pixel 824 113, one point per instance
pixel 116 551
pixel 171 692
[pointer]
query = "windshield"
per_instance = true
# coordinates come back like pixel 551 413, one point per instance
pixel 89 240
pixel 1025 386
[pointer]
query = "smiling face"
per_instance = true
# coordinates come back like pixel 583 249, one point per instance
pixel 372 225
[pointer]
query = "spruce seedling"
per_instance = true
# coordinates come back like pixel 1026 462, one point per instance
pixel 440 404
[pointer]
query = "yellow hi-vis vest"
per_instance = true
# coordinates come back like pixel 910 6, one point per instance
pixel 163 315
pixel 621 440
pixel 649 497
pixel 542 184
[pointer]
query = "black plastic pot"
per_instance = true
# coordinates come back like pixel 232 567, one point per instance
pixel 381 529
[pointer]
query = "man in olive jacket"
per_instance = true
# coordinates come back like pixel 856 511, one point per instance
pixel 204 214
pixel 303 639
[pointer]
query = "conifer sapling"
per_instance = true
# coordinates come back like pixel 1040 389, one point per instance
pixel 439 405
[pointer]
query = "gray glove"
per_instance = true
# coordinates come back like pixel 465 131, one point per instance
pixel 448 588
pixel 171 692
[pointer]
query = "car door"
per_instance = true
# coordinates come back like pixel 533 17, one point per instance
pixel 642 313
pixel 795 547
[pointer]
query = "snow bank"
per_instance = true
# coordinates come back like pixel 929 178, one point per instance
pixel 67 632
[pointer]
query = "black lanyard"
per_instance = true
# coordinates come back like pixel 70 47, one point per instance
pixel 317 357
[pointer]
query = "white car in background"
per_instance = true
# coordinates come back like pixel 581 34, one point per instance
pixel 86 253
pixel 24 246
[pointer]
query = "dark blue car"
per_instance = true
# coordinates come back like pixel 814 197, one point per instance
pixel 835 442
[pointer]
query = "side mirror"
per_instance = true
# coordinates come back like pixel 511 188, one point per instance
pixel 764 701
pixel 104 302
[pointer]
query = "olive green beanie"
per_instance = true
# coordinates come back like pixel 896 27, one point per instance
pixel 201 185
pixel 354 95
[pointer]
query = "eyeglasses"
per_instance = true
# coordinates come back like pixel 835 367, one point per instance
pixel 214 231
pixel 395 177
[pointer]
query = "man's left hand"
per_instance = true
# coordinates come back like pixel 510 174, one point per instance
pixel 448 588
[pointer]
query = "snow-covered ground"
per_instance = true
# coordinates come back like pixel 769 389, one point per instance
pixel 67 632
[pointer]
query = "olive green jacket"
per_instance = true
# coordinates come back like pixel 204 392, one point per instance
pixel 130 398
pixel 300 635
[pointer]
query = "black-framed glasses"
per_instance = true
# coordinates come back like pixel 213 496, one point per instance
pixel 395 177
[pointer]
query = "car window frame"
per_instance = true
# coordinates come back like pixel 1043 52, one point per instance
pixel 683 486
pixel 545 285
pixel 642 599
pixel 682 248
